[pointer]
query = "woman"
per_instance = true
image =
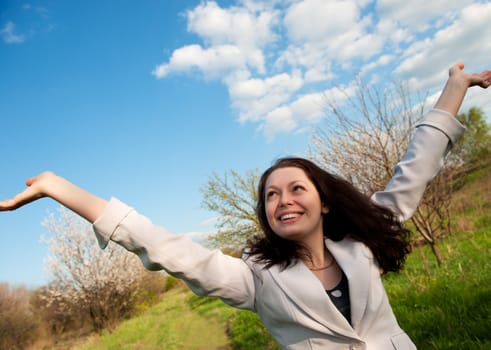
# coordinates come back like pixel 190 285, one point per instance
pixel 313 243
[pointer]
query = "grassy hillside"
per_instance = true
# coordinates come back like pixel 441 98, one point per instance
pixel 445 307
pixel 449 307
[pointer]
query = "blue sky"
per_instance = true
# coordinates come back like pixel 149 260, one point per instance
pixel 144 100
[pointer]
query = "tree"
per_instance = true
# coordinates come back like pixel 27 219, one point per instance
pixel 474 148
pixel 234 198
pixel 101 283
pixel 363 139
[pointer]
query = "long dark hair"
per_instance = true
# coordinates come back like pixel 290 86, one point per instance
pixel 351 214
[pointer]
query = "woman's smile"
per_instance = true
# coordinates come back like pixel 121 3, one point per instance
pixel 293 205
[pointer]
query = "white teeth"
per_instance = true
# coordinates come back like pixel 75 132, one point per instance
pixel 288 216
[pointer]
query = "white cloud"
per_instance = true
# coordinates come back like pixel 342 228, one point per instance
pixel 305 110
pixel 213 62
pixel 336 31
pixel 9 36
pixel 382 60
pixel 255 97
pixel 277 57
pixel 309 107
pixel 236 25
pixel 325 19
pixel 419 15
pixel 279 120
pixel 461 41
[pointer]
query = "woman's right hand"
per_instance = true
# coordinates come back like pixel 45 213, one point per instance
pixel 36 189
pixel 48 184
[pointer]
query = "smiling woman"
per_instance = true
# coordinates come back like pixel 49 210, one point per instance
pixel 314 278
pixel 301 204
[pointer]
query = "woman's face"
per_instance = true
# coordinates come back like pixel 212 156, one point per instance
pixel 293 205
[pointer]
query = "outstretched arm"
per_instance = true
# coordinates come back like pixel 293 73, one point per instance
pixel 205 271
pixel 48 184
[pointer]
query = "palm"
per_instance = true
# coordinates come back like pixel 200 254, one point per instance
pixel 30 194
pixel 482 79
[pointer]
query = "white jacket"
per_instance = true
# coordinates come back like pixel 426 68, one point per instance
pixel 292 303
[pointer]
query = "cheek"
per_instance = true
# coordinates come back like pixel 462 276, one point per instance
pixel 270 209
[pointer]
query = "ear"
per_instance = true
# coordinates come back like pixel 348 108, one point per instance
pixel 325 209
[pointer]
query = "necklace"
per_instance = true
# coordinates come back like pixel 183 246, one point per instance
pixel 323 267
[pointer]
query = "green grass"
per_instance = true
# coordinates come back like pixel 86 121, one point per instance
pixel 449 306
pixel 446 307
pixel 170 325
pixel 244 328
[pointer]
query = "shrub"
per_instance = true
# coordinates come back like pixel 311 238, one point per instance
pixel 18 327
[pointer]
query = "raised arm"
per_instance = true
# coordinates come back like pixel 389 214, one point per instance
pixel 66 193
pixel 431 141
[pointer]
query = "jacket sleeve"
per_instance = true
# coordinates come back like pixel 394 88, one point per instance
pixel 431 141
pixel 206 272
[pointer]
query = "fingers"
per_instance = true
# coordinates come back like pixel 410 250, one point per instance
pixel 30 194
pixel 482 79
pixel 486 75
pixel 8 204
pixel 14 203
pixel 11 204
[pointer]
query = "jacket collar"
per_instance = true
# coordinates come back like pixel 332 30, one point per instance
pixel 307 292
pixel 353 258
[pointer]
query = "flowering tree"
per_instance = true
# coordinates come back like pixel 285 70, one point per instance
pixel 101 283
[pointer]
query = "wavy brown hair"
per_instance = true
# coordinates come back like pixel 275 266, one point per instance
pixel 351 214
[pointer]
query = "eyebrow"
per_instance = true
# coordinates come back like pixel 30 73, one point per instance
pixel 288 184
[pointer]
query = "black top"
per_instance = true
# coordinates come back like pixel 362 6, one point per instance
pixel 340 297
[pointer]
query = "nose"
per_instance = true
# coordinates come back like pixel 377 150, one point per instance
pixel 285 199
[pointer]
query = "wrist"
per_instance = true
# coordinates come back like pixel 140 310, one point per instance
pixel 453 94
pixel 458 82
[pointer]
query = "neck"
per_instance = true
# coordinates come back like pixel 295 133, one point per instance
pixel 319 255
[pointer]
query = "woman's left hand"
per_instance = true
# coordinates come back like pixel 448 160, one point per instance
pixel 482 79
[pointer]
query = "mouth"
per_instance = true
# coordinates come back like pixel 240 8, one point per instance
pixel 289 216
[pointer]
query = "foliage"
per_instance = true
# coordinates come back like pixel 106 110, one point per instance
pixel 18 326
pixel 233 197
pixel 475 144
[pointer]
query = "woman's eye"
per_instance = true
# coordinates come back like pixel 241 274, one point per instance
pixel 270 194
pixel 297 188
